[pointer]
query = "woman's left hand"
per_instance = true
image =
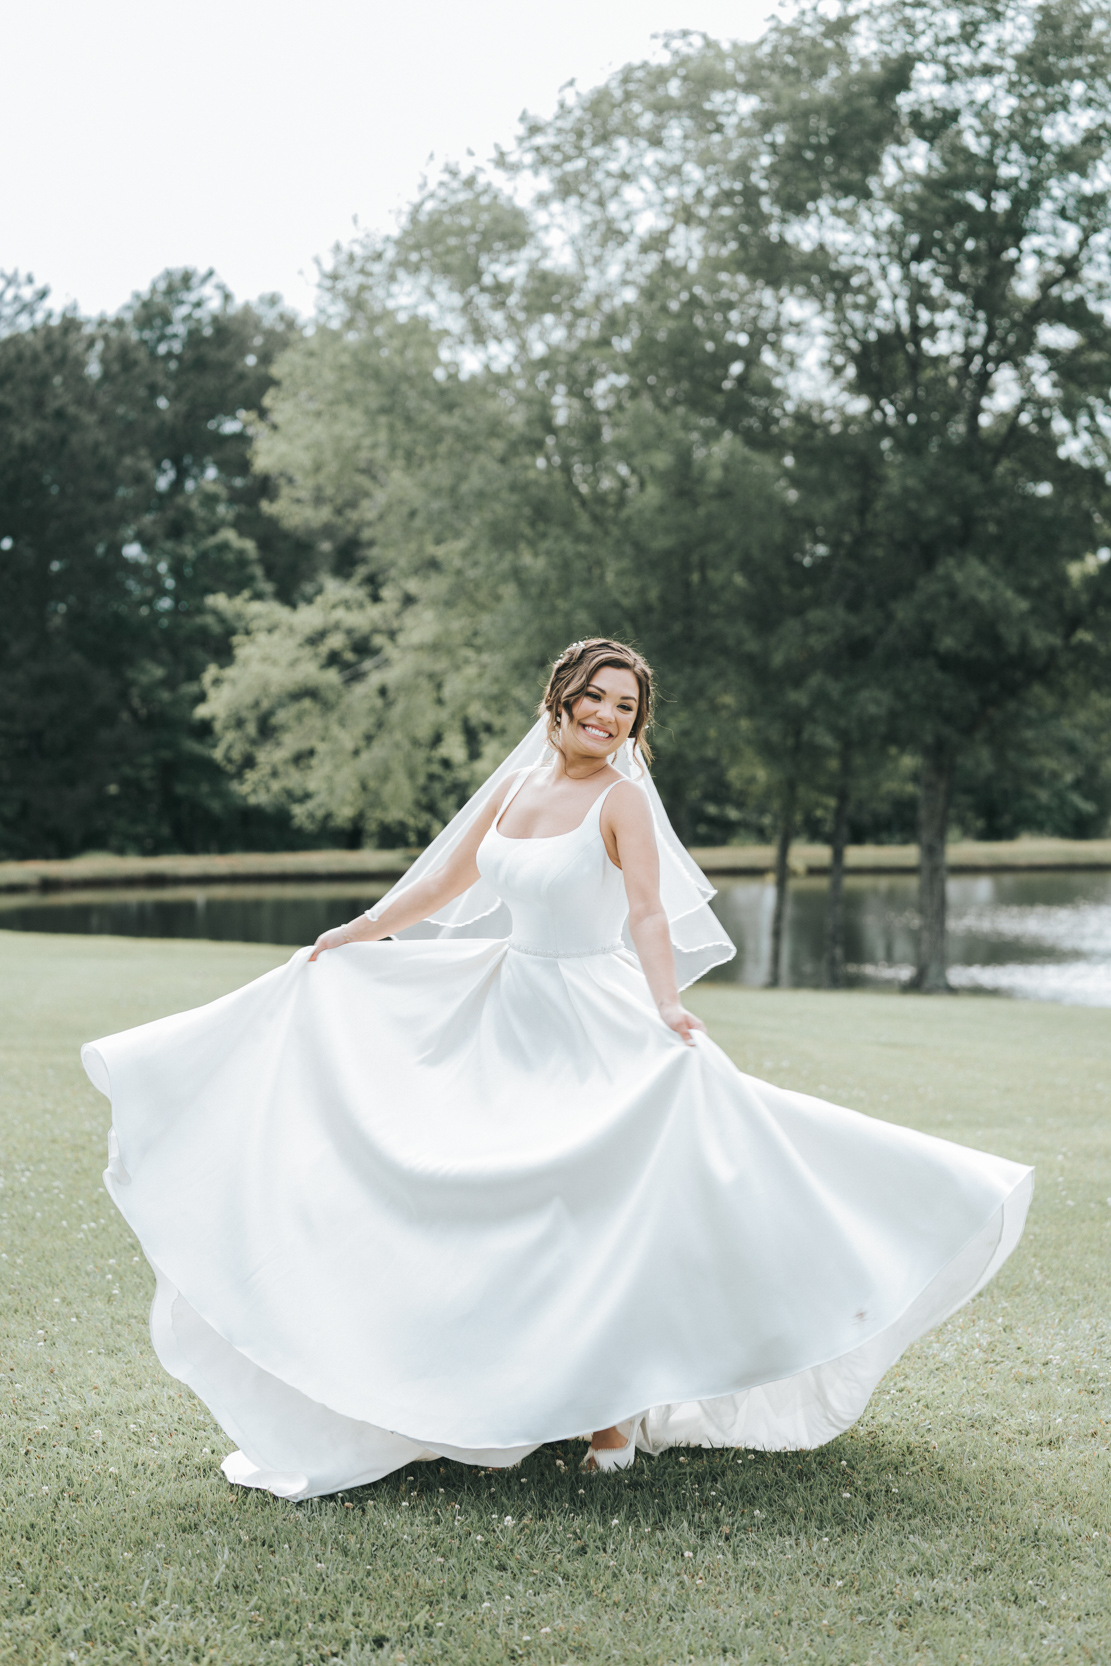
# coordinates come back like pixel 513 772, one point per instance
pixel 684 1023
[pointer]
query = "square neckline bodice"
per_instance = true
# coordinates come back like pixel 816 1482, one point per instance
pixel 547 838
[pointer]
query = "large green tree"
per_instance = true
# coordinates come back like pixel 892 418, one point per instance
pixel 793 372
pixel 478 484
pixel 126 498
pixel 877 240
pixel 370 708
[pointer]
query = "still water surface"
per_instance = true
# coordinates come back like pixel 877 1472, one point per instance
pixel 1045 936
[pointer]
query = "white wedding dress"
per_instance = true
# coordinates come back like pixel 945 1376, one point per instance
pixel 460 1198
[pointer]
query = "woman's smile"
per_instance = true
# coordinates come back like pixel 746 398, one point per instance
pixel 602 715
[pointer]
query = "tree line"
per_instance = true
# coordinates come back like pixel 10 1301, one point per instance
pixel 787 361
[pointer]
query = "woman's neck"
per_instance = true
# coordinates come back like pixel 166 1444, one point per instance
pixel 578 769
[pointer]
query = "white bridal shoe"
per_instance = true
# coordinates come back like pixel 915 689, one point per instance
pixel 605 1458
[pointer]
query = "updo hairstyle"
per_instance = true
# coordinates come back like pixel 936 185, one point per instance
pixel 575 670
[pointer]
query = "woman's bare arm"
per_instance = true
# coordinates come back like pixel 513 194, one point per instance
pixel 627 822
pixel 455 876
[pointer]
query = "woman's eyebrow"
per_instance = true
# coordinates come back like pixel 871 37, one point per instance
pixel 592 688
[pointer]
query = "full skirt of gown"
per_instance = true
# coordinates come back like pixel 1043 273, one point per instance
pixel 450 1198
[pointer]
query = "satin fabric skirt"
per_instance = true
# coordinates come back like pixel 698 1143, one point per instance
pixel 433 1198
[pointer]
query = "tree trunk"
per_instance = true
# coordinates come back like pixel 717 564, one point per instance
pixel 782 873
pixel 933 823
pixel 835 916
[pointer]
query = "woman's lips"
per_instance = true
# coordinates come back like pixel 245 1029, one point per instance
pixel 592 729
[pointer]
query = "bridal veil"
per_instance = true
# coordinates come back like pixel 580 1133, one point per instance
pixel 697 936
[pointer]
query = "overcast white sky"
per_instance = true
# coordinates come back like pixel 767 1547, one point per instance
pixel 247 134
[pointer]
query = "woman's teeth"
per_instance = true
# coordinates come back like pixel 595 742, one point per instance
pixel 603 734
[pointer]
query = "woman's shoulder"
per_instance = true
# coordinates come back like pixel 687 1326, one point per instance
pixel 625 803
pixel 509 783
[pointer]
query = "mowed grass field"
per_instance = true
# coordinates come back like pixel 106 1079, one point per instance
pixel 964 1519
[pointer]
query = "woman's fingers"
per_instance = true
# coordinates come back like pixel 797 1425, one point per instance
pixel 334 938
pixel 685 1024
pixel 324 941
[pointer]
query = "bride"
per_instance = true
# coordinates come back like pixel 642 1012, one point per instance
pixel 488 1184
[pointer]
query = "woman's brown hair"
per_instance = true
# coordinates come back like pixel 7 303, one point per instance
pixel 575 670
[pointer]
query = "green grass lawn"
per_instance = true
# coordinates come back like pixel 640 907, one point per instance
pixel 965 1518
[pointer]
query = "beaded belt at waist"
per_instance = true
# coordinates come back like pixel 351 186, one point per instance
pixel 565 954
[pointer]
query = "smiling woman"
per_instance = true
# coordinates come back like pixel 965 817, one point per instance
pixel 468 1177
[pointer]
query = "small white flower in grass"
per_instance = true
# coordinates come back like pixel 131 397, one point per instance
pixel 320 1567
pixel 113 1472
pixel 688 1554
pixel 543 1629
pixel 846 1495
pixel 478 1538
pixel 758 1514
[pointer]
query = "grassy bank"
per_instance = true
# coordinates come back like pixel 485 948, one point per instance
pixel 304 867
pixel 963 1520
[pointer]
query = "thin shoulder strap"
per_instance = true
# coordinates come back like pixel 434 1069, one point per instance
pixel 522 777
pixel 596 807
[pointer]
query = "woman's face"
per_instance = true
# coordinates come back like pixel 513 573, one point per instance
pixel 603 714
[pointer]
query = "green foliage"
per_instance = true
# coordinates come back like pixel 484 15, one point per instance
pixel 793 372
pixel 787 361
pixel 1046 769
pixel 875 244
pixel 979 1503
pixel 321 714
pixel 125 499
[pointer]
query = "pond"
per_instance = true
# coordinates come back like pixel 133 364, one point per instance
pixel 1045 936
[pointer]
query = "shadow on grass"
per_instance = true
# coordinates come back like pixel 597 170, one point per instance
pixel 860 1483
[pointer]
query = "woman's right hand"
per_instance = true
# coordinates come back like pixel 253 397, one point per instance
pixel 334 938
